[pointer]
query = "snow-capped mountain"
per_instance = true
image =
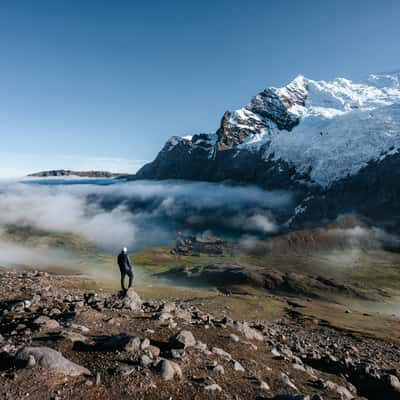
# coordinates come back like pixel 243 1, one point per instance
pixel 314 137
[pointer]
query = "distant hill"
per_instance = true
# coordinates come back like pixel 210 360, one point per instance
pixel 82 174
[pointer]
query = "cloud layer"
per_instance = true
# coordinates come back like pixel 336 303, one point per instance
pixel 141 214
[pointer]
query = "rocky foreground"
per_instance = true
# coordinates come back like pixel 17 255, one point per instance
pixel 59 341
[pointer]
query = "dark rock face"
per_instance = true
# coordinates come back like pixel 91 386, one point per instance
pixel 373 193
pixel 234 130
pixel 270 106
pixel 184 162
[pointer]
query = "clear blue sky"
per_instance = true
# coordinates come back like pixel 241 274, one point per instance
pixel 105 83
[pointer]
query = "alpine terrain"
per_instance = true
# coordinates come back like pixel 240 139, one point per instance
pixel 334 144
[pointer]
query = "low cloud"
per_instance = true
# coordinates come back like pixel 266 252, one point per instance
pixel 143 213
pixel 15 254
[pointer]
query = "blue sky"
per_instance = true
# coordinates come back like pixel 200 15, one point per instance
pixel 103 84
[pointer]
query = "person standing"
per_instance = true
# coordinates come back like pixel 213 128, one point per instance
pixel 125 268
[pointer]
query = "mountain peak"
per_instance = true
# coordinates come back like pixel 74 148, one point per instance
pixel 323 130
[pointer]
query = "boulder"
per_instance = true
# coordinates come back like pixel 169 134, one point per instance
pixel 51 359
pixel 221 353
pixel 169 370
pixel 234 338
pixel 248 332
pixel 343 392
pixel 168 307
pixel 133 346
pixel 219 369
pixel 132 300
pixel 184 339
pixel 237 366
pixel 287 382
pixel 145 360
pixel 393 382
pixel 178 353
pixel 129 300
pixel 214 387
pixel 164 316
pixel 46 322
pixel 153 351
pixel 183 315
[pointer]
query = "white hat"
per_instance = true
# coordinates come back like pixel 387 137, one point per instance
pixel 124 249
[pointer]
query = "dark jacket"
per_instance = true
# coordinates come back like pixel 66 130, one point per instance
pixel 124 262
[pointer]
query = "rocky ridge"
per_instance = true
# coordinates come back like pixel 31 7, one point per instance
pixel 59 341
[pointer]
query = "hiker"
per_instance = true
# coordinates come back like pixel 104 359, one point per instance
pixel 125 268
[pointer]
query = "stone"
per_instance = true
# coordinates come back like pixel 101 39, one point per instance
pixel 52 359
pixel 200 346
pixel 123 370
pixel 275 352
pixel 219 369
pixel 153 351
pixel 55 311
pixel 46 322
pixel 78 327
pixel 264 385
pixel 248 332
pixel 393 382
pixel 344 393
pixel 145 344
pixel 184 315
pixel 237 366
pixel 172 324
pixel 178 353
pixel 31 361
pixel 169 370
pixel 35 299
pixel 286 380
pixel 145 360
pixel 184 339
pixel 129 300
pixel 164 316
pixel 234 337
pixel 168 307
pixel 222 353
pixel 133 346
pixel 213 388
pixel 132 300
